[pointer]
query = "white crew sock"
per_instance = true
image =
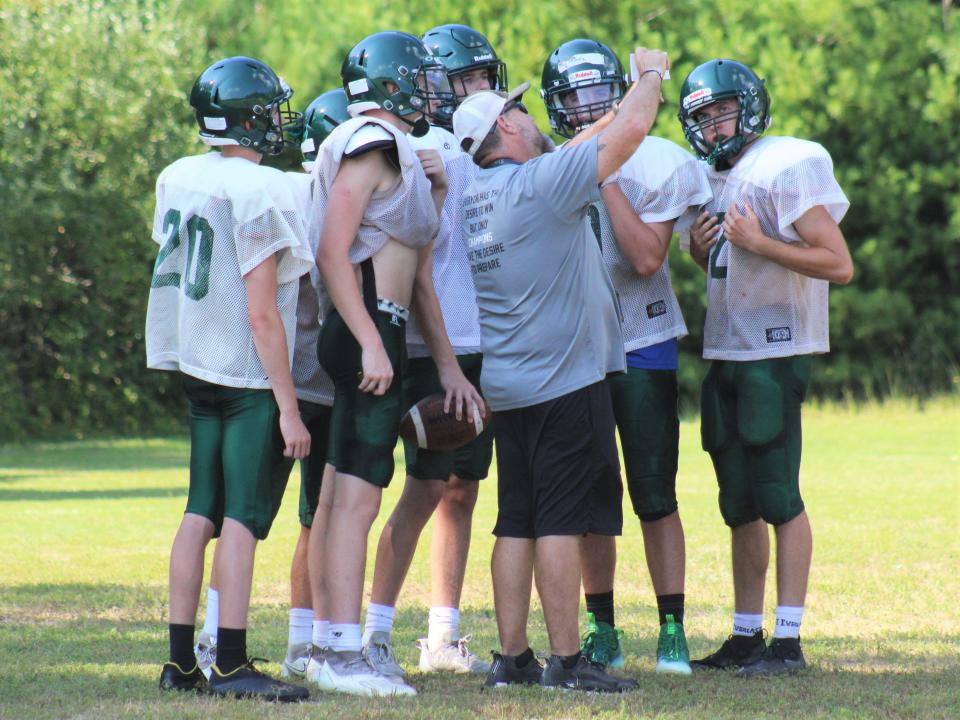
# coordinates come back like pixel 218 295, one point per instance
pixel 747 623
pixel 379 619
pixel 321 633
pixel 444 626
pixel 301 624
pixel 345 637
pixel 788 621
pixel 212 618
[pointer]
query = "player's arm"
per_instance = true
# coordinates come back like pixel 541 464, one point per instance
pixel 356 181
pixel 270 339
pixel 460 392
pixel 822 255
pixel 645 245
pixel 635 117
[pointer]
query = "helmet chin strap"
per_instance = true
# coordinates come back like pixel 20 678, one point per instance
pixel 725 149
pixel 419 127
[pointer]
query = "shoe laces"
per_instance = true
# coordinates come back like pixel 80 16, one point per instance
pixel 462 646
pixel 600 644
pixel 378 653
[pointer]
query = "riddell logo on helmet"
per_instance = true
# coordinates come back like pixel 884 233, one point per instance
pixel 485 56
pixel 581 75
pixel 697 95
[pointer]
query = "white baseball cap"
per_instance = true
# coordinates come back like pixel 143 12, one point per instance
pixel 478 113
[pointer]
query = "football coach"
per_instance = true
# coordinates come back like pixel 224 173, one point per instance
pixel 550 334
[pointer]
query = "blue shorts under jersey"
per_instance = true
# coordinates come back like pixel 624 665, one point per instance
pixel 662 356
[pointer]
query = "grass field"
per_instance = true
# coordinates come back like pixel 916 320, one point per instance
pixel 85 530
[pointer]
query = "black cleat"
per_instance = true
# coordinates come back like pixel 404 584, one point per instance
pixel 172 677
pixel 504 671
pixel 783 656
pixel 586 675
pixel 248 682
pixel 737 651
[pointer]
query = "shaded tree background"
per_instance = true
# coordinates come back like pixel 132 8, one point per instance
pixel 98 95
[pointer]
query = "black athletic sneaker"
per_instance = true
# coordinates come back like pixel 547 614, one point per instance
pixel 784 655
pixel 247 681
pixel 585 675
pixel 504 671
pixel 172 677
pixel 737 651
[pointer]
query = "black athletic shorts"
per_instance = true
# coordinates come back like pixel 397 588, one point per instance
pixel 557 467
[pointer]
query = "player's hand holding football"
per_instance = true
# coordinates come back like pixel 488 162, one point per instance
pixel 433 168
pixel 743 229
pixel 461 394
pixel 377 370
pixel 703 236
pixel 296 437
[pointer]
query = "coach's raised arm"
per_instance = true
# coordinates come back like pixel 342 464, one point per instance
pixel 623 129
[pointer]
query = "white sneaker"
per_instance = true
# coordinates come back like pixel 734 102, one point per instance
pixel 451 656
pixel 350 672
pixel 295 664
pixel 379 653
pixel 206 652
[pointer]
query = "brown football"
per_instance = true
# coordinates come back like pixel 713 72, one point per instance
pixel 428 426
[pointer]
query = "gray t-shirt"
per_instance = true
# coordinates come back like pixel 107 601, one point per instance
pixel 549 321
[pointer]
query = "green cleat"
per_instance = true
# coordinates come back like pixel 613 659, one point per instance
pixel 601 644
pixel 672 654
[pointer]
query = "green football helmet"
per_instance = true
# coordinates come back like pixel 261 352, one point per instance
pixel 395 71
pixel 462 49
pixel 714 81
pixel 241 101
pixel 319 119
pixel 581 81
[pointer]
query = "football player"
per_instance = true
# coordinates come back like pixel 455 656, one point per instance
pixel 656 192
pixel 314 391
pixel 314 387
pixel 770 245
pixel 222 312
pixel 374 217
pixel 442 483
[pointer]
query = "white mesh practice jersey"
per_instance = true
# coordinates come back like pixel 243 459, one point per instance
pixel 218 218
pixel 311 382
pixel 757 309
pixel 662 182
pixel 404 213
pixel 451 268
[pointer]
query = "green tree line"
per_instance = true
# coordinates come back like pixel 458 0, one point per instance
pixel 96 101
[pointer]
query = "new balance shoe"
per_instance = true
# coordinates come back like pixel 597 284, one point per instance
pixel 601 644
pixel 784 655
pixel 295 663
pixel 248 682
pixel 450 656
pixel 174 677
pixel 379 653
pixel 672 654
pixel 350 671
pixel 586 675
pixel 736 651
pixel 504 672
pixel 206 652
